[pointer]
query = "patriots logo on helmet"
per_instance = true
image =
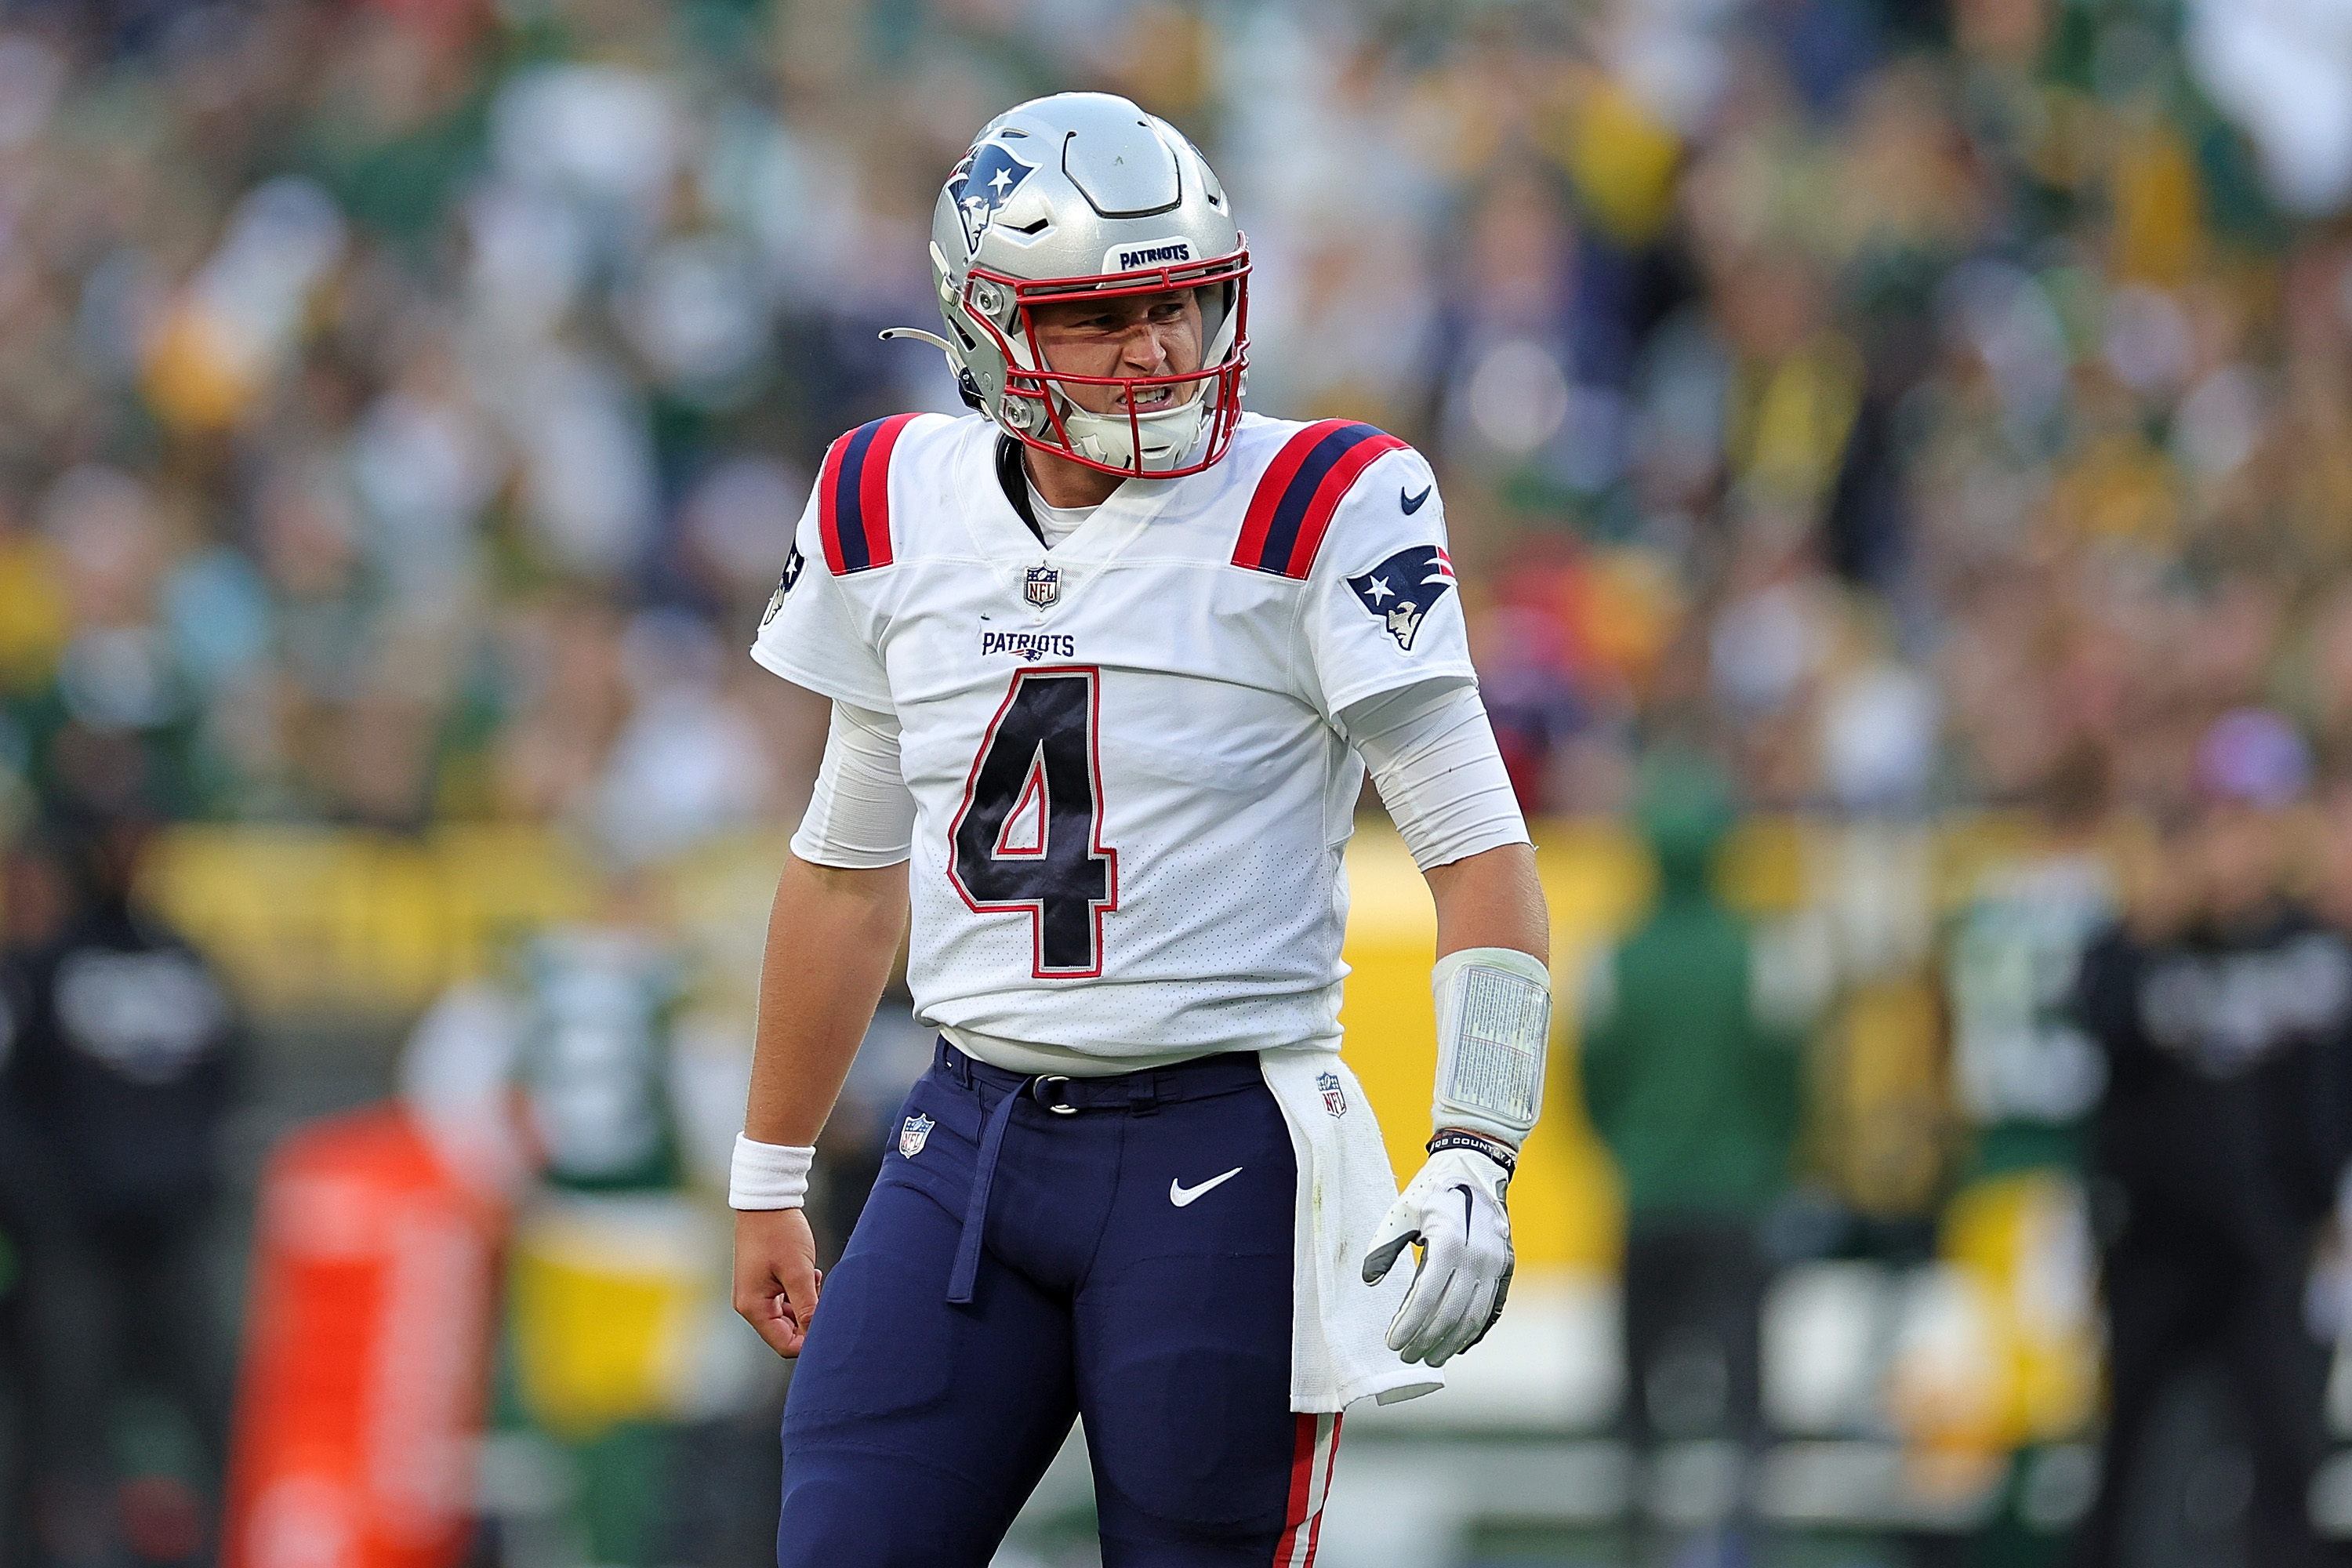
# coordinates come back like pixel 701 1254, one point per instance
pixel 792 564
pixel 981 184
pixel 915 1134
pixel 1334 1094
pixel 1401 591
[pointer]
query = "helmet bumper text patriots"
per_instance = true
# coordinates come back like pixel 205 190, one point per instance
pixel 1401 590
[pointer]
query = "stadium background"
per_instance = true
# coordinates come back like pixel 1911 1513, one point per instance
pixel 402 407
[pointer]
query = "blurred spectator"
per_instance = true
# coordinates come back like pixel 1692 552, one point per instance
pixel 583 1085
pixel 122 1064
pixel 35 902
pixel 2027 1076
pixel 1693 1090
pixel 2214 1014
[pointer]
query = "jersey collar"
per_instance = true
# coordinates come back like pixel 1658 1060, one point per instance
pixel 1014 480
pixel 997 512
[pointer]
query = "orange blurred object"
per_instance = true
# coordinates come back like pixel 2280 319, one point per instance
pixel 366 1355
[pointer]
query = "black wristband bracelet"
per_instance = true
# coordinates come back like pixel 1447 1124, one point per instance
pixel 1494 1149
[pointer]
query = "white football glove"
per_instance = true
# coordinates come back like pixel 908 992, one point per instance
pixel 1453 1208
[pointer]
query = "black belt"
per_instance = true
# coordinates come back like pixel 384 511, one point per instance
pixel 1139 1092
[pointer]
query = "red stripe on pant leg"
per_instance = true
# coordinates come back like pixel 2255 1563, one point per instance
pixel 1330 493
pixel 1330 1463
pixel 828 519
pixel 1302 1479
pixel 1267 497
pixel 873 489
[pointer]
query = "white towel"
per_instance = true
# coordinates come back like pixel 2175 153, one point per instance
pixel 1338 1326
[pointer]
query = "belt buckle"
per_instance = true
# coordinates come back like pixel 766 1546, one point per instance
pixel 1057 1106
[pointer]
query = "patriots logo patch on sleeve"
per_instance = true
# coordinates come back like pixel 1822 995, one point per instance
pixel 792 564
pixel 1401 591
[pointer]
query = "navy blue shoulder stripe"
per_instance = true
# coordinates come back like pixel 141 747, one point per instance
pixel 853 496
pixel 1294 500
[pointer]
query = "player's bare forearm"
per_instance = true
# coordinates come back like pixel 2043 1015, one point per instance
pixel 833 935
pixel 1492 899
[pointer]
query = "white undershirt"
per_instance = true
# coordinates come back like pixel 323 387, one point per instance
pixel 1055 522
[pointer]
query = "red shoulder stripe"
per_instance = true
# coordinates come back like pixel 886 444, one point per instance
pixel 1251 549
pixel 853 505
pixel 1293 505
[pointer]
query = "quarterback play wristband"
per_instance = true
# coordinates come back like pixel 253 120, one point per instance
pixel 1493 1032
pixel 768 1175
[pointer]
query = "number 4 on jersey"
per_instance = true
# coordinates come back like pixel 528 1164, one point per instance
pixel 1029 836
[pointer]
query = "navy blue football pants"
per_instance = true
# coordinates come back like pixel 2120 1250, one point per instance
pixel 1133 1267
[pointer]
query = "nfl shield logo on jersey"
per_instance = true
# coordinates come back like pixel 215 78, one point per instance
pixel 911 1137
pixel 1334 1096
pixel 1043 586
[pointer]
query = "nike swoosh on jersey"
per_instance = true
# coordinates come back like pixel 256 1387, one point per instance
pixel 1180 1194
pixel 1413 503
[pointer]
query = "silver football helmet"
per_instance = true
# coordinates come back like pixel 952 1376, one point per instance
pixel 1083 193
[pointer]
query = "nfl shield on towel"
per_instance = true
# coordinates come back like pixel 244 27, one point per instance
pixel 912 1135
pixel 1334 1096
pixel 1043 586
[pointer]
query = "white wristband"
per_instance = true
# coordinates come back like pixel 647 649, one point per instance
pixel 1494 1035
pixel 768 1175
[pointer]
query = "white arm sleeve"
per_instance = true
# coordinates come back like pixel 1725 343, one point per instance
pixel 861 815
pixel 1432 756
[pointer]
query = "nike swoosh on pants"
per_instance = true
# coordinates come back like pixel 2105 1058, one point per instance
pixel 1180 1194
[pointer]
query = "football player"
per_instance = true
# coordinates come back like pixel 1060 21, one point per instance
pixel 1109 661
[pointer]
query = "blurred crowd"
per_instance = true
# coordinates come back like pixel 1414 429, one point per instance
pixel 1914 410
pixel 401 402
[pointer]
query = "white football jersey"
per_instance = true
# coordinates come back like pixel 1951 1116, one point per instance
pixel 1131 792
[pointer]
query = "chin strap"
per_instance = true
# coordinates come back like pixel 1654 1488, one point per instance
pixel 1089 445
